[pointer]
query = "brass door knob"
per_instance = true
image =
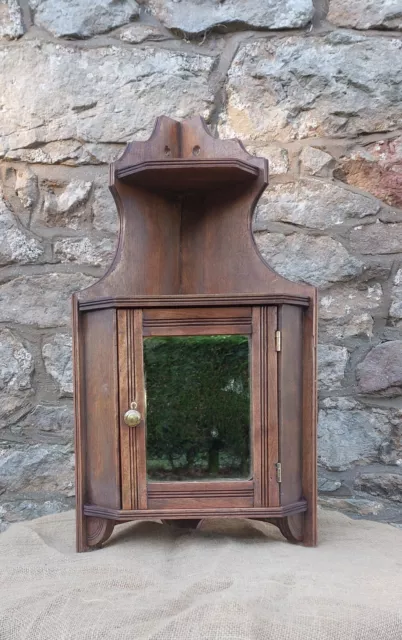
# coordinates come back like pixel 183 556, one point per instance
pixel 132 417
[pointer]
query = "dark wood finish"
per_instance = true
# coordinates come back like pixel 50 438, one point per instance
pixel 290 402
pixel 197 321
pixel 170 174
pixel 265 406
pixel 188 495
pixel 193 301
pixel 309 442
pixel 132 441
pixel 258 513
pixel 98 459
pixel 187 264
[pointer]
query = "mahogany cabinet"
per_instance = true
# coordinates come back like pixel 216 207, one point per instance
pixel 194 362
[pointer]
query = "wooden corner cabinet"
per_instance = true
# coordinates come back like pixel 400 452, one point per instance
pixel 194 362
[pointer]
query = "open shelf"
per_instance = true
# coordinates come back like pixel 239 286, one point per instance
pixel 184 175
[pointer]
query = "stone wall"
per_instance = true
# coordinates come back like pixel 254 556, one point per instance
pixel 316 89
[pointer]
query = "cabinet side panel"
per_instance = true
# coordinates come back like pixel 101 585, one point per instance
pixel 310 422
pixel 290 364
pixel 99 388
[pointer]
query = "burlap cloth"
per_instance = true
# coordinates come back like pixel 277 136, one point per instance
pixel 228 581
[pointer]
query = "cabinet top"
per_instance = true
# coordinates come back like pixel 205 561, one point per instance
pixel 183 156
pixel 185 201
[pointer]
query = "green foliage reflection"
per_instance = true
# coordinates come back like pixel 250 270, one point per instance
pixel 198 407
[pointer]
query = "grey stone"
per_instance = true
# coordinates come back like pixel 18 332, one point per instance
pixel 137 33
pixel 65 208
pixel 26 187
pixel 349 433
pixel 57 355
pixel 41 300
pixel 357 506
pixel 277 155
pixel 11 25
pixel 311 203
pixel 96 90
pixel 339 85
pixel 314 161
pixel 37 467
pixel 82 18
pixel 328 485
pixel 381 369
pixel 391 451
pixel 16 244
pixel 320 260
pixel 23 509
pixel 360 14
pixel 384 485
pixel 332 362
pixel 50 423
pixel 346 310
pixel 16 369
pixel 375 168
pixel 92 251
pixel 395 311
pixel 378 238
pixel 69 152
pixel 105 216
pixel 202 15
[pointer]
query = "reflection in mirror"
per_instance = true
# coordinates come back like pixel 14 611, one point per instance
pixel 198 407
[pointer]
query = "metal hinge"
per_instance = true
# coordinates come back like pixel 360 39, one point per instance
pixel 278 472
pixel 278 340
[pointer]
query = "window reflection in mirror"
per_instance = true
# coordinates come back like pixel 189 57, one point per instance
pixel 198 407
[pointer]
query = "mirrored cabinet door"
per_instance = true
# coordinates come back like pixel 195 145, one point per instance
pixel 200 386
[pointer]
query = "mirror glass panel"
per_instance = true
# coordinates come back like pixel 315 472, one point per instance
pixel 198 407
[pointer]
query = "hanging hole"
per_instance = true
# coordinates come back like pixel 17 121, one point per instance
pixel 167 151
pixel 196 150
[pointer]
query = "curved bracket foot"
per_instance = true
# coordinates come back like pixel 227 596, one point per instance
pixel 291 527
pixel 98 530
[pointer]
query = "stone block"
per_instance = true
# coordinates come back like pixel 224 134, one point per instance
pixel 381 369
pixel 350 434
pixel 96 89
pixel 97 252
pixel 377 238
pixel 16 369
pixel 317 260
pixel 314 204
pixel 376 169
pixel 360 14
pixel 341 84
pixel 57 355
pixel 22 299
pixel 314 161
pixel 384 485
pixel 17 245
pixel 356 506
pixel 196 17
pixel 38 467
pixel 347 310
pixel 53 424
pixel 11 24
pixel 26 186
pixel 65 207
pixel 82 18
pixel 332 362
